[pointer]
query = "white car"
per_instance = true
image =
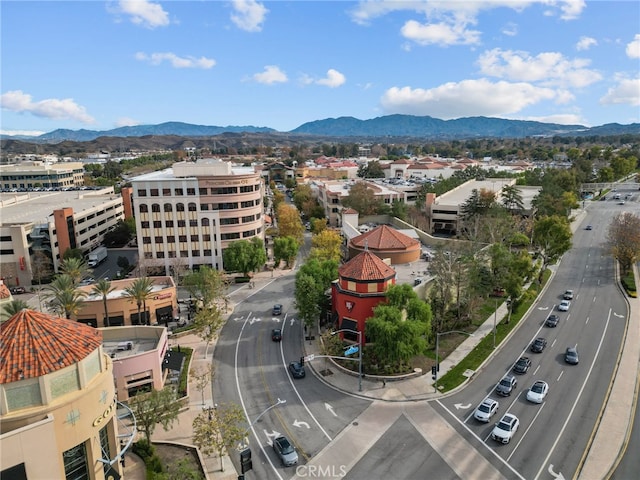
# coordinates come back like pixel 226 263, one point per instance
pixel 486 410
pixel 506 428
pixel 538 392
pixel 564 305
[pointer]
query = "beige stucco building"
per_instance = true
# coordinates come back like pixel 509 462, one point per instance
pixel 57 400
pixel 161 305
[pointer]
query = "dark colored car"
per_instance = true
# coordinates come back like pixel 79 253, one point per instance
pixel 17 290
pixel 277 309
pixel 297 370
pixel 552 321
pixel 589 227
pixel 522 365
pixel 538 345
pixel 506 386
pixel 276 334
pixel 285 451
pixel 571 356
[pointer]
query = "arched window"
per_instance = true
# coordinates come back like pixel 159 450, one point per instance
pixel 155 207
pixel 205 222
pixel 168 207
pixel 192 207
pixel 179 207
pixel 144 208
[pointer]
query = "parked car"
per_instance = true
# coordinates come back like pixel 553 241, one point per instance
pixel 538 392
pixel 589 227
pixel 538 345
pixel 571 356
pixel 506 386
pixel 506 428
pixel 564 305
pixel 522 365
pixel 486 410
pixel 276 335
pixel 567 295
pixel 285 451
pixel 17 290
pixel 552 321
pixel 277 309
pixel 297 370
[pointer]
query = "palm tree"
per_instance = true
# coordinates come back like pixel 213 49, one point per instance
pixel 14 306
pixel 76 268
pixel 64 296
pixel 140 290
pixel 103 288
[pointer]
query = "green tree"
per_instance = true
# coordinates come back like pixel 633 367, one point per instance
pixel 202 376
pixel 326 245
pixel 139 291
pixel 72 252
pixel 14 307
pixel 623 239
pixel 64 297
pixel 245 256
pixel 153 408
pixel 285 248
pixel 75 268
pixel 399 209
pixel 312 281
pixel 362 199
pixel 512 198
pixel 552 236
pixel 371 169
pixel 219 429
pixel 289 223
pixel 103 288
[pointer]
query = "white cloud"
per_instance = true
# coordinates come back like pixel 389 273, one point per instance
pixel 548 68
pixel 249 15
pixel 176 61
pixel 465 98
pixel 561 118
pixel 25 133
pixel 126 122
pixel 626 92
pixel 585 43
pixel 571 9
pixel 144 13
pixel 333 79
pixel 271 74
pixel 18 101
pixel 439 33
pixel 633 47
pixel 510 29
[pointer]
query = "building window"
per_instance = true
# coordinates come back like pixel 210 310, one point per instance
pixel 157 224
pixel 195 238
pixel 182 238
pixel 180 207
pixel 192 207
pixel 249 218
pixel 184 253
pixel 229 221
pixel 193 223
pixel 75 463
pixel 146 240
pixel 249 233
pixel 148 255
pixel 168 224
pixel 159 254
pixel 205 222
pixel 206 237
pixel 155 207
pixel 159 239
pixel 182 223
pixel 104 443
pixel 179 192
pixel 166 192
pixel 172 254
pixel 154 192
pixel 168 207
pixel 207 253
pixel 195 253
pixel 191 191
pixel 142 224
pixel 142 192
pixel 171 239
pixel 204 206
pixel 144 208
pixel 248 204
pixel 246 189
pixel 202 191
pixel 230 236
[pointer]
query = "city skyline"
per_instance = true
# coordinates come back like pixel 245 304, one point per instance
pixel 100 65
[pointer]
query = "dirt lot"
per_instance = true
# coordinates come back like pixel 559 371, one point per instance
pixel 171 455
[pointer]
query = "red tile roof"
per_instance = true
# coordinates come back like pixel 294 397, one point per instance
pixel 33 344
pixel 384 238
pixel 366 267
pixel 4 291
pixel 349 211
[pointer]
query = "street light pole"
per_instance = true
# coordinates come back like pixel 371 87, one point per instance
pixel 437 348
pixel 359 333
pixel 495 318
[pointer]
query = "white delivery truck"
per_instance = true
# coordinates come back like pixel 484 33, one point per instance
pixel 97 256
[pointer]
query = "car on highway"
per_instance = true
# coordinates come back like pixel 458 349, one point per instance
pixel 276 335
pixel 564 305
pixel 505 429
pixel 522 365
pixel 17 290
pixel 277 309
pixel 589 227
pixel 285 451
pixel 538 345
pixel 297 370
pixel 571 356
pixel 506 386
pixel 486 410
pixel 552 321
pixel 538 392
pixel 567 295
pixel 621 202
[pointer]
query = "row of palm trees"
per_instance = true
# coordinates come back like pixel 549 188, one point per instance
pixel 65 298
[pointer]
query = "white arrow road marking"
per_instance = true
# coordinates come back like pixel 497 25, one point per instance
pixel 271 436
pixel 238 319
pixel 459 406
pixel 292 320
pixel 330 408
pixel 297 423
pixel 558 475
pixel 619 316
pixel 543 308
pixel 254 319
pixel 275 319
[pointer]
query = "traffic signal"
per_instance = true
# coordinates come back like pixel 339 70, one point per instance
pixel 245 460
pixel 433 370
pixel 301 360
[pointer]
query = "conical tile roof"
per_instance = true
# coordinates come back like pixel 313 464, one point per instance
pixel 384 238
pixel 33 344
pixel 366 266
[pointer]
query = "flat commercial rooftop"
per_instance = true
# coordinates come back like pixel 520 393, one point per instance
pixel 37 207
pixel 129 347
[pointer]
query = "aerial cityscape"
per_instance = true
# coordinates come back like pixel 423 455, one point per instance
pixel 279 240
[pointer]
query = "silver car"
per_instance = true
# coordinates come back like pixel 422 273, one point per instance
pixel 285 451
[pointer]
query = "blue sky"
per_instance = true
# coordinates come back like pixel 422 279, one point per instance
pixel 99 65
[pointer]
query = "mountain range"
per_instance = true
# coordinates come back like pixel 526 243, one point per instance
pixel 404 126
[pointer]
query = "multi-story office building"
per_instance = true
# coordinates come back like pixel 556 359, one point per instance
pixel 29 175
pixel 188 214
pixel 50 223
